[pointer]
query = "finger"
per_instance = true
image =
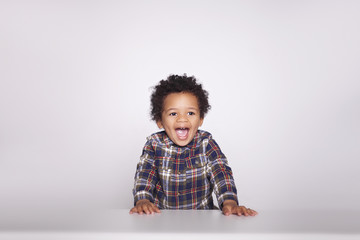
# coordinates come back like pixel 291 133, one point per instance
pixel 137 210
pixel 133 210
pixel 226 211
pixel 240 211
pixel 140 209
pixel 245 211
pixel 155 209
pixel 252 212
pixel 146 209
pixel 151 209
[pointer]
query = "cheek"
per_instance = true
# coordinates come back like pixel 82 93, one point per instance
pixel 167 124
pixel 198 122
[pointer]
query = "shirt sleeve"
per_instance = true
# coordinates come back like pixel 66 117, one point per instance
pixel 221 176
pixel 146 175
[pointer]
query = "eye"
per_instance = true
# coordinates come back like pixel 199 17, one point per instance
pixel 173 114
pixel 191 113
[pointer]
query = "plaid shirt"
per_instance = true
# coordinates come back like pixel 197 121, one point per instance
pixel 174 177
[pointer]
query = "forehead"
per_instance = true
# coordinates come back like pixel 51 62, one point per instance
pixel 179 100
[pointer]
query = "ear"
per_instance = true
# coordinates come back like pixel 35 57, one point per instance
pixel 159 124
pixel 201 121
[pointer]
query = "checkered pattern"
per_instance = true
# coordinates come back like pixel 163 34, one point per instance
pixel 175 177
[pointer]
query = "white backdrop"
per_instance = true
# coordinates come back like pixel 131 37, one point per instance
pixel 283 78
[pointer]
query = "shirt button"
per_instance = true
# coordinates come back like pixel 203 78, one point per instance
pixel 196 162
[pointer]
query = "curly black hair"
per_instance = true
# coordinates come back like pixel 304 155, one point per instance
pixel 177 84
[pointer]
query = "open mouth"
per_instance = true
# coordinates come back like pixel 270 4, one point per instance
pixel 182 133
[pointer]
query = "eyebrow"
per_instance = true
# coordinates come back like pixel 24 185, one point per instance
pixel 190 108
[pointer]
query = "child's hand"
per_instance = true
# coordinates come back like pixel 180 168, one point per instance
pixel 144 206
pixel 231 207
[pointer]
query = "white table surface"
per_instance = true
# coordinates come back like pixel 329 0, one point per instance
pixel 180 224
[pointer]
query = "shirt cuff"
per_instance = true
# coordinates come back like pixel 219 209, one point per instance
pixel 227 196
pixel 143 195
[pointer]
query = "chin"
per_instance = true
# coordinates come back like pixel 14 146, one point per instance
pixel 181 144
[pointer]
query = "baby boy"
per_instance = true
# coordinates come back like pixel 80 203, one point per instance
pixel 182 166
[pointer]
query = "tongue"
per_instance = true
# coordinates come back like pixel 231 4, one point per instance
pixel 182 133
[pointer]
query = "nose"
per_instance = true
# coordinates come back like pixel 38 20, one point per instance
pixel 182 118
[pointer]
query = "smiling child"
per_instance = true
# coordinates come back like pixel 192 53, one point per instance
pixel 182 166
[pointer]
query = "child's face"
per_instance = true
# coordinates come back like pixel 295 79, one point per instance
pixel 180 117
